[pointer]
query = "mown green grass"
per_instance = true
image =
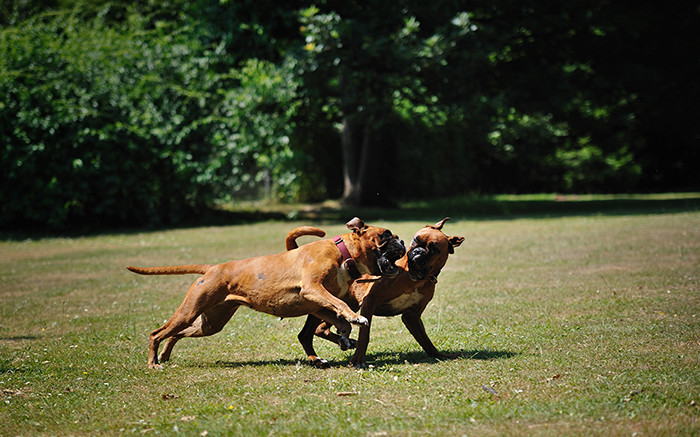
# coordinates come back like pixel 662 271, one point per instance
pixel 567 324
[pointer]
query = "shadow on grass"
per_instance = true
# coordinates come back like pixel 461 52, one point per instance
pixel 282 362
pixel 378 359
pixel 513 207
pixel 416 357
pixel 468 207
pixel 19 338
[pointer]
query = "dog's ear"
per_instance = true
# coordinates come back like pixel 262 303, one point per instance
pixel 439 224
pixel 356 225
pixel 454 242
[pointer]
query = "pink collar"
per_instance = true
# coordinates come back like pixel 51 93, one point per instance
pixel 347 258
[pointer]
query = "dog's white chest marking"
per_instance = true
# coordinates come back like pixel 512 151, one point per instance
pixel 343 279
pixel 406 300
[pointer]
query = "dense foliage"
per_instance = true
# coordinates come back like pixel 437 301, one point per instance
pixel 145 112
pixel 124 119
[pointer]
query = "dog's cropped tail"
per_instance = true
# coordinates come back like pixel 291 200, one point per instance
pixel 291 240
pixel 172 270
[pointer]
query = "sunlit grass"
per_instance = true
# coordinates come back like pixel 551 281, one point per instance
pixel 584 324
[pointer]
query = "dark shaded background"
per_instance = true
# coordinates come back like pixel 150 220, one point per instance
pixel 129 112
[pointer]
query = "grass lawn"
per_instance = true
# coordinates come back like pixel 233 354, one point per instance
pixel 576 321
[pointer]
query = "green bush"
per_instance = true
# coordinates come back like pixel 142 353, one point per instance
pixel 129 112
pixel 128 122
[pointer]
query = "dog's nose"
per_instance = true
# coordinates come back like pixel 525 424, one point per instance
pixel 417 253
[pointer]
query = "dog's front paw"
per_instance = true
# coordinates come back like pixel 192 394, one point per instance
pixel 345 343
pixel 360 320
pixel 358 363
pixel 320 363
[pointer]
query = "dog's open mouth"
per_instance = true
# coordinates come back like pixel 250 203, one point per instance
pixel 387 268
pixel 417 264
pixel 392 250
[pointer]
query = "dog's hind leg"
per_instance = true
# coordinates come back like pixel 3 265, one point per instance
pixel 208 323
pixel 311 327
pixel 202 295
pixel 323 330
pixel 171 327
pixel 306 338
pixel 341 325
pixel 167 349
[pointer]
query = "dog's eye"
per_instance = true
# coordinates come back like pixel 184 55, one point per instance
pixel 433 247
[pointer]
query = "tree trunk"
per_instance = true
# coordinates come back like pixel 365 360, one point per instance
pixel 363 160
pixel 354 163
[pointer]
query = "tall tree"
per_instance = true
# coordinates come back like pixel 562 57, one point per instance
pixel 359 66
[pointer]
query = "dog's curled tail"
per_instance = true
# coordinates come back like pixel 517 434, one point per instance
pixel 291 240
pixel 171 270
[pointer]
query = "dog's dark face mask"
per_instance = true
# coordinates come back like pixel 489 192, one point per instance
pixel 429 251
pixel 427 254
pixel 390 250
pixel 418 257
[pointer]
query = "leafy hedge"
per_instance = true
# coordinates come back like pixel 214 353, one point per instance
pixel 133 112
pixel 129 121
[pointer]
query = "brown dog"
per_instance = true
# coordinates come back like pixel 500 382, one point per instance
pixel 407 294
pixel 288 284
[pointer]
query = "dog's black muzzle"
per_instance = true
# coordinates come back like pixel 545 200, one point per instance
pixel 418 263
pixel 390 252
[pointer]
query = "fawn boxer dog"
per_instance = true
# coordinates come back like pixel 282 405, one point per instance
pixel 288 284
pixel 407 293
